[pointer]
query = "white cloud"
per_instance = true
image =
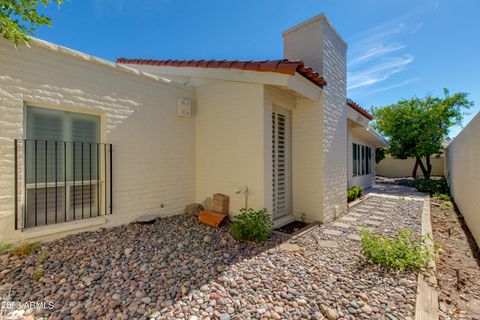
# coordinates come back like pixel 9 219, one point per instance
pixel 401 84
pixel 380 52
pixel 375 52
pixel 378 72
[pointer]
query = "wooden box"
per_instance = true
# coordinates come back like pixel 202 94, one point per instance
pixel 213 219
pixel 221 203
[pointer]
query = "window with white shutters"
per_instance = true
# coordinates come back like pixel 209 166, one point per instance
pixel 281 163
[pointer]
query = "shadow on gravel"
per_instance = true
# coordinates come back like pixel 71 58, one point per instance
pixel 130 269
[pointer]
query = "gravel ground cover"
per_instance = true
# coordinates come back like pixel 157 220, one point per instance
pixel 179 269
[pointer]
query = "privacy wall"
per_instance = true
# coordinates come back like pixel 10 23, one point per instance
pixel 463 174
pixel 396 168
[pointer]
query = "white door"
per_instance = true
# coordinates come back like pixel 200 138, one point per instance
pixel 281 165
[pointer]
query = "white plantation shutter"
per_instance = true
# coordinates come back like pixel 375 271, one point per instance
pixel 281 163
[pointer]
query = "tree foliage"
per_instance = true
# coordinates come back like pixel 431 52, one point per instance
pixel 417 127
pixel 380 154
pixel 20 18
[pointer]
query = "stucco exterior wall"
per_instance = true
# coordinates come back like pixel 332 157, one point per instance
pixel 463 174
pixel 307 159
pixel 229 142
pixel 395 168
pixel 152 147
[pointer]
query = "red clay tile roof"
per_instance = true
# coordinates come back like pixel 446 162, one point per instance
pixel 359 109
pixel 280 66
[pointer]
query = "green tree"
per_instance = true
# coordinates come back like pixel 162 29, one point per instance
pixel 20 18
pixel 417 127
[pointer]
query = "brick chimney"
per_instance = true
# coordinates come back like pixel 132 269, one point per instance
pixel 317 43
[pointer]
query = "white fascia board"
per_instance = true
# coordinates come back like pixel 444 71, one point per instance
pixel 302 86
pixel 357 117
pixel 217 74
pixel 294 82
pixel 383 143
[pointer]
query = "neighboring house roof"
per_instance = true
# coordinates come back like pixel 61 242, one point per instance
pixel 279 66
pixel 359 109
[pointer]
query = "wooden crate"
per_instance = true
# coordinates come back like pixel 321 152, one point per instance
pixel 212 218
pixel 221 203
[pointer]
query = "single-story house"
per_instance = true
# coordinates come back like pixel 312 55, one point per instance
pixel 363 140
pixel 86 142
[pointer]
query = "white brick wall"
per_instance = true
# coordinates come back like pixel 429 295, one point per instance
pixel 153 149
pixel 335 124
pixel 320 128
pixel 463 173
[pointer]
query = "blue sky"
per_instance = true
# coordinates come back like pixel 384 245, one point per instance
pixel 397 49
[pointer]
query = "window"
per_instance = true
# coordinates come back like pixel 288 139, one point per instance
pixel 362 157
pixel 51 132
pixel 65 166
pixel 355 157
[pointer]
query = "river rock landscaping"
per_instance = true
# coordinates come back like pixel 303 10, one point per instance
pixel 177 268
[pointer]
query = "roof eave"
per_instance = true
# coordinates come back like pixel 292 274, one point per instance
pixel 295 82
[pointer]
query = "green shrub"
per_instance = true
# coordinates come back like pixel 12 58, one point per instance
pixel 5 247
pixel 442 196
pixel 354 193
pixel 431 186
pixel 446 205
pixel 252 225
pixel 403 251
pixel 26 249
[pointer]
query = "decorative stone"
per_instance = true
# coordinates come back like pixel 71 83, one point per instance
pixel 193 208
pixel 147 219
pixel 354 237
pixel 290 247
pixel 327 244
pixel 341 225
pixel 332 232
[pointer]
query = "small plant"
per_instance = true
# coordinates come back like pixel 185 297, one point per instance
pixel 252 225
pixel 26 249
pixel 446 205
pixel 41 257
pixel 5 247
pixel 431 186
pixel 442 196
pixel 354 193
pixel 38 274
pixel 403 251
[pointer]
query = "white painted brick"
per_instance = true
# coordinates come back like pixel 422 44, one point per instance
pixel 153 149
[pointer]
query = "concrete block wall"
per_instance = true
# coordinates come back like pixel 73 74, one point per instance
pixel 153 149
pixel 463 174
